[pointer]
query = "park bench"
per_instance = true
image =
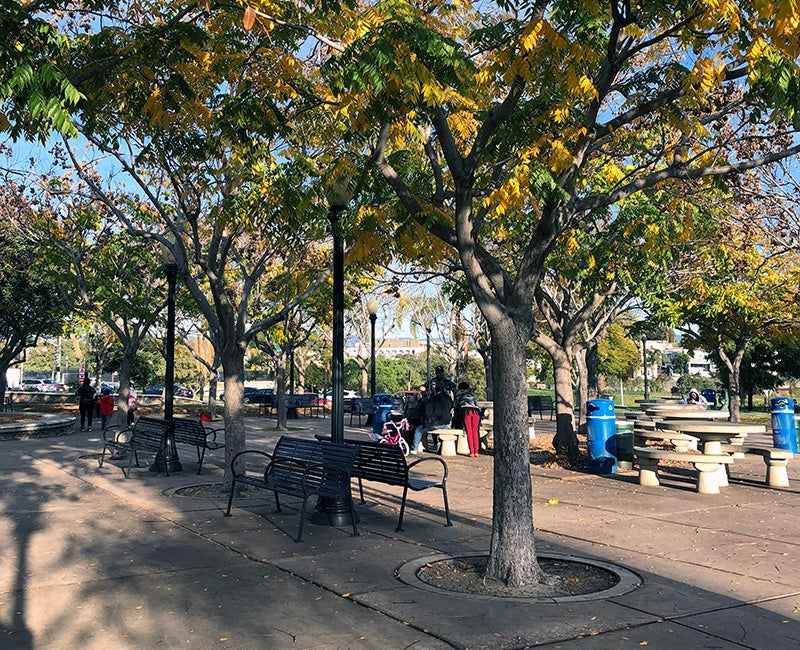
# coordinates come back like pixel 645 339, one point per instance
pixel 775 459
pixel 540 404
pixel 360 406
pixel 707 466
pixel 298 468
pixel 199 435
pixel 307 402
pixel 264 402
pixel 147 434
pixel 386 464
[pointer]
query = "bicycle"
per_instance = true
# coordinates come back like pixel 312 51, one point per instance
pixel 392 434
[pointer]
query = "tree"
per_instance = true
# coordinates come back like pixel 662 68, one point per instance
pixel 492 130
pixel 618 355
pixel 30 304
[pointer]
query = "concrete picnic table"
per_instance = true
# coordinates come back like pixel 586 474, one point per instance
pixel 712 435
pixel 686 413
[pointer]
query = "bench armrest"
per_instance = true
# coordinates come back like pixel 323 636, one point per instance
pixel 246 452
pixel 211 435
pixel 121 437
pixel 427 460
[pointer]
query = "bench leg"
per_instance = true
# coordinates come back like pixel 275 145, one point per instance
pixel 402 510
pixel 299 537
pixel 230 498
pixel 707 478
pixel 201 454
pixel 446 506
pixel 648 472
pixel 777 475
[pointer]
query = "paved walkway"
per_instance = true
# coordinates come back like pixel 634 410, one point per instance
pixel 91 560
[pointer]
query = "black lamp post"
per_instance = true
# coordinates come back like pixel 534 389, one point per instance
pixel 372 308
pixel 427 323
pixel 167 459
pixel 335 511
pixel 644 365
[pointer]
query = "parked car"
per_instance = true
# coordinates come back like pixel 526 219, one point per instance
pixel 33 385
pixel 51 385
pixel 177 390
pixel 252 395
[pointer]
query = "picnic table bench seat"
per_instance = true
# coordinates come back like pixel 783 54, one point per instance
pixel 706 465
pixel 200 435
pixel 775 459
pixel 386 464
pixel 147 434
pixel 298 468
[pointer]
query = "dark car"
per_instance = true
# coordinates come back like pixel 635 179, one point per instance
pixel 253 395
pixel 177 390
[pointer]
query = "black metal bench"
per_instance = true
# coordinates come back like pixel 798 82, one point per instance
pixel 265 403
pixel 386 464
pixel 299 468
pixel 201 436
pixel 307 402
pixel 360 406
pixel 540 403
pixel 147 434
pixel 8 403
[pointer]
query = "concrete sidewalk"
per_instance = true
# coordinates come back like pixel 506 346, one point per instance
pixel 91 560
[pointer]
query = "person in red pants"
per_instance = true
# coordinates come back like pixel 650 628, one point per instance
pixel 469 413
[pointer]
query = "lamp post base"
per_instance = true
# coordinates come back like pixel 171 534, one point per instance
pixel 334 512
pixel 167 461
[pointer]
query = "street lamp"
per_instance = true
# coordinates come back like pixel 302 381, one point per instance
pixel 427 323
pixel 372 308
pixel 644 364
pixel 335 511
pixel 167 459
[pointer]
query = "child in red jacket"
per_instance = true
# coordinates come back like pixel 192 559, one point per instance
pixel 106 404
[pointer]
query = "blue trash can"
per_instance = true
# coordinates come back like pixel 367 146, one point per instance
pixel 784 433
pixel 711 397
pixel 624 444
pixel 381 406
pixel 601 436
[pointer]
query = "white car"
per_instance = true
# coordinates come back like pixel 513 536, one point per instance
pixel 36 385
pixel 351 394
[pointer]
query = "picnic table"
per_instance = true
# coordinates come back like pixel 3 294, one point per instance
pixel 686 413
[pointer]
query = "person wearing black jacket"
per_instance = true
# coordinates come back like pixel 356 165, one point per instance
pixel 438 413
pixel 86 395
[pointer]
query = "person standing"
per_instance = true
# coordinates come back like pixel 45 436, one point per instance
pixel 86 395
pixel 106 405
pixel 440 380
pixel 468 413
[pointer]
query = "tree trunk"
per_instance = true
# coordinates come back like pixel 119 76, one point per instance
pixel 280 392
pixel 583 386
pixel 486 355
pixel 565 440
pixel 233 368
pixel 734 399
pixel 512 555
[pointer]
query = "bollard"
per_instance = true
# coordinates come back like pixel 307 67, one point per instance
pixel 784 433
pixel 624 440
pixel 601 436
pixel 381 406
